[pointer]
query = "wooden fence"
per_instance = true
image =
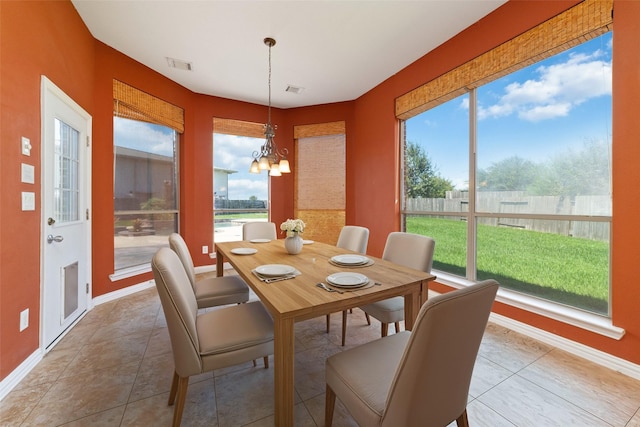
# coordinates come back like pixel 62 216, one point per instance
pixel 504 203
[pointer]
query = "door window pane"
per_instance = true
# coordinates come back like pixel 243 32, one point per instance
pixel 66 163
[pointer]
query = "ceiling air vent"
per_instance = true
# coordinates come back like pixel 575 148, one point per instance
pixel 294 89
pixel 180 65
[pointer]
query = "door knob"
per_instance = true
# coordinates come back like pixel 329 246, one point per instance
pixel 51 238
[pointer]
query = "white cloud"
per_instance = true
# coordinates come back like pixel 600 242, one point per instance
pixel 559 88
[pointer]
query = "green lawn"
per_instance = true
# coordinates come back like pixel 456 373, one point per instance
pixel 564 269
pixel 248 215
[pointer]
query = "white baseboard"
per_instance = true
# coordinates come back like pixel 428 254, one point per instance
pixel 123 292
pixel 18 374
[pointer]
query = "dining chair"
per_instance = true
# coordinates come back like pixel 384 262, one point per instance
pixel 417 378
pixel 259 230
pixel 211 291
pixel 353 238
pixel 212 340
pixel 408 249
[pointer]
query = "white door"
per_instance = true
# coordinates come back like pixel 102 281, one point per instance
pixel 66 228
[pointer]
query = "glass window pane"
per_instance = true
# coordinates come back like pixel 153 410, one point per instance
pixel 239 196
pixel 544 136
pixel 145 190
pixel 450 234
pixel 569 266
pixel 436 171
pixel 66 185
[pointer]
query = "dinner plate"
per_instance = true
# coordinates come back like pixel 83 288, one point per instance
pixel 244 251
pixel 307 242
pixel 350 259
pixel 275 270
pixel 260 240
pixel 347 279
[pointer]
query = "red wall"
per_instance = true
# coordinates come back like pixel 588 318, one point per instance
pixel 34 34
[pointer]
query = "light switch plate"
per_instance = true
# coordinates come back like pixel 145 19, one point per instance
pixel 26 146
pixel 28 201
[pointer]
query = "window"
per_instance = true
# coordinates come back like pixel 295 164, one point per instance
pixel 145 137
pixel 513 179
pixel 239 196
pixel 145 190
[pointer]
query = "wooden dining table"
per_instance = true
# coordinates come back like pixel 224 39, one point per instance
pixel 299 298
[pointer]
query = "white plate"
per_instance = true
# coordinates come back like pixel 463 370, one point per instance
pixel 275 270
pixel 307 242
pixel 347 280
pixel 350 259
pixel 244 251
pixel 260 240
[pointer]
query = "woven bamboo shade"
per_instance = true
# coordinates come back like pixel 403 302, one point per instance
pixel 582 22
pixel 238 128
pixel 320 196
pixel 132 103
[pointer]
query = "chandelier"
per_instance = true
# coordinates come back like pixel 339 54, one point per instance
pixel 269 157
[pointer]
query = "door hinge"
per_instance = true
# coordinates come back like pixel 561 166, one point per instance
pixel 88 141
pixel 87 214
pixel 87 287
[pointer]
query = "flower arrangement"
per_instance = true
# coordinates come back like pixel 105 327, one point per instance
pixel 292 226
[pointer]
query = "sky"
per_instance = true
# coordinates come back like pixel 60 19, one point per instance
pixel 536 112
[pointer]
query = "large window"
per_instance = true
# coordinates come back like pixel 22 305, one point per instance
pixel 145 190
pixel 513 179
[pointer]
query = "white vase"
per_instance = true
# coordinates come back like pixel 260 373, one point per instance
pixel 293 244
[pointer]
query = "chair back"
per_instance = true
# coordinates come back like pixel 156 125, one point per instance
pixel 180 310
pixel 354 238
pixel 433 377
pixel 179 246
pixel 410 250
pixel 259 230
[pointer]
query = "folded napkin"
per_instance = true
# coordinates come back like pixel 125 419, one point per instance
pixel 271 279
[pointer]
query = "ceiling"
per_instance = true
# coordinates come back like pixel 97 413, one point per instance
pixel 334 50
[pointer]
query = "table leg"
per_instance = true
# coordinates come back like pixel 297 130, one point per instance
pixel 283 371
pixel 219 264
pixel 412 307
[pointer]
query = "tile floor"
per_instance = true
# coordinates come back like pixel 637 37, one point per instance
pixel 115 369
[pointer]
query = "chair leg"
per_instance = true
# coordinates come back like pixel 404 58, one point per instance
pixel 183 384
pixel 397 325
pixel 328 322
pixel 329 404
pixel 344 326
pixel 174 388
pixel 266 362
pixel 385 329
pixel 462 420
pixel 366 315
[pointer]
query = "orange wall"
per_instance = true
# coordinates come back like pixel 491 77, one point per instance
pixel 34 34
pixel 32 38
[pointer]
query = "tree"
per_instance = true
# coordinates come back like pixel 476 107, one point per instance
pixel 421 178
pixel 511 174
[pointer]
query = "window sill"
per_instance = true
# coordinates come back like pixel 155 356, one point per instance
pixel 125 273
pixel 588 321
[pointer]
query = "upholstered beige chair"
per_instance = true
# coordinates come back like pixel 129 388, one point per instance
pixel 353 238
pixel 417 378
pixel 213 340
pixel 411 250
pixel 259 230
pixel 212 291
